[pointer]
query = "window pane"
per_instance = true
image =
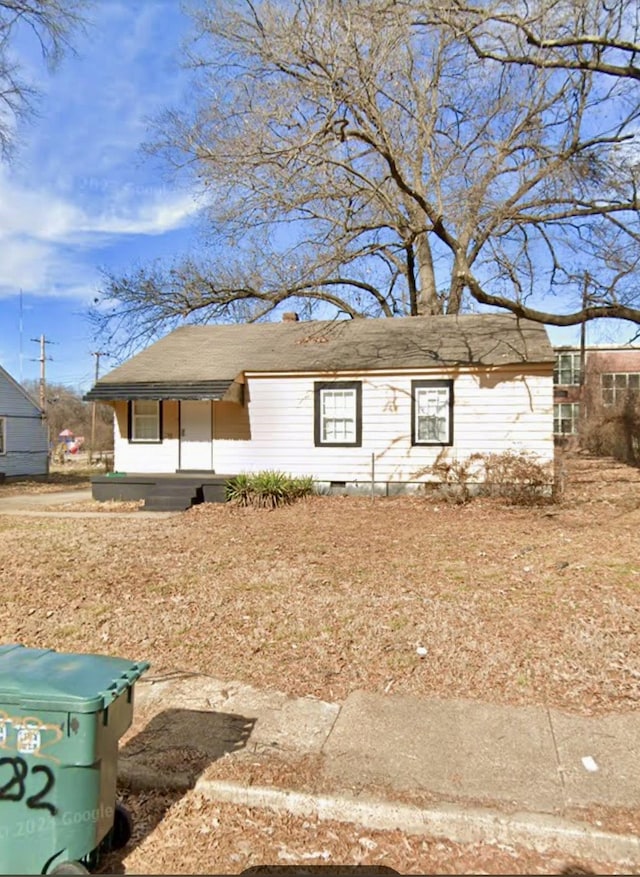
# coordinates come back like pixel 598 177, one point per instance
pixel 145 428
pixel 336 430
pixel 432 414
pixel 2 424
pixel 145 421
pixel 146 406
pixel 432 429
pixel 338 416
pixel 567 370
pixel 615 386
pixel 566 418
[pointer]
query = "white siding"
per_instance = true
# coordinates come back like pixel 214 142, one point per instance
pixel 141 457
pixel 26 449
pixel 492 413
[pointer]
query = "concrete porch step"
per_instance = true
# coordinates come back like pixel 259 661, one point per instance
pixel 166 504
pixel 173 496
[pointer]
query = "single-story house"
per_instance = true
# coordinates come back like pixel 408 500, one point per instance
pixel 346 402
pixel 23 432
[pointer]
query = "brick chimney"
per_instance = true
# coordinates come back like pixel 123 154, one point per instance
pixel 290 317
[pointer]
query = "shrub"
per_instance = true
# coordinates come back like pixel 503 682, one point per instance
pixel 519 477
pixel 456 475
pixel 613 430
pixel 268 489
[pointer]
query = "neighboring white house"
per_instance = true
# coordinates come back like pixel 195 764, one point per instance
pixel 23 433
pixel 334 399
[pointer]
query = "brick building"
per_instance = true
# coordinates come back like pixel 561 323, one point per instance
pixel 609 373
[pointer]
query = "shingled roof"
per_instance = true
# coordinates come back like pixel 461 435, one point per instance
pixel 197 362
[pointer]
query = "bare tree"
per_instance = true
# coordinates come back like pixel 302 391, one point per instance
pixel 50 22
pixel 602 36
pixel 364 158
pixel 66 410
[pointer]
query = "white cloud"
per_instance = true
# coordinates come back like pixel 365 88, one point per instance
pixel 50 244
pixel 40 268
pixel 153 218
pixel 43 215
pixel 80 195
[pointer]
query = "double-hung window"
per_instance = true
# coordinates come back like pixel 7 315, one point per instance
pixel 567 369
pixel 615 387
pixel 338 414
pixel 566 418
pixel 432 412
pixel 145 421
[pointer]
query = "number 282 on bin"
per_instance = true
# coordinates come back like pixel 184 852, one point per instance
pixel 13 783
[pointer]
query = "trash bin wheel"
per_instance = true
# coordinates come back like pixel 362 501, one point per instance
pixel 122 827
pixel 71 867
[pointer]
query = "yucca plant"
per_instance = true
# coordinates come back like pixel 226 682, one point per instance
pixel 268 489
pixel 238 490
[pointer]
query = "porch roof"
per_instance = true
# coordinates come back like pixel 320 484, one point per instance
pixel 160 390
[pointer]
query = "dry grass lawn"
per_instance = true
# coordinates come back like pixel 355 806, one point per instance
pixel 485 601
pixel 513 605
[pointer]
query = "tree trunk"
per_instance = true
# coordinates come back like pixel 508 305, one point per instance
pixel 454 304
pixel 427 302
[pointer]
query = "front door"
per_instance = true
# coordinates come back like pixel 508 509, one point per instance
pixel 196 445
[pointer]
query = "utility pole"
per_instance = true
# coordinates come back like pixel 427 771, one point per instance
pixel 97 354
pixel 42 341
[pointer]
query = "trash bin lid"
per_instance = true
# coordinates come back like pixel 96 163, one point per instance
pixel 49 680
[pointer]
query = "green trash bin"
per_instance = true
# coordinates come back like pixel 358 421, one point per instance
pixel 61 719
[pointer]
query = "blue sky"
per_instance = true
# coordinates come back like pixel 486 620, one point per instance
pixel 80 195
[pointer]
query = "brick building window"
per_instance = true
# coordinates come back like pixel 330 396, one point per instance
pixel 567 369
pixel 616 386
pixel 565 418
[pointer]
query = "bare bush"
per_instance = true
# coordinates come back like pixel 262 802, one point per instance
pixel 457 476
pixel 519 477
pixel 613 430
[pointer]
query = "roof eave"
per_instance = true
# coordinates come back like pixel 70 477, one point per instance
pixel 221 390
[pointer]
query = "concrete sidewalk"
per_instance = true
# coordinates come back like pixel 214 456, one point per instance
pixel 457 769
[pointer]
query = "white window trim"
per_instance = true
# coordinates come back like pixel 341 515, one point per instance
pixel 351 415
pixel 573 417
pixel 573 368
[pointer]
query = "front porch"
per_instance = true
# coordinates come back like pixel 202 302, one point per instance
pixel 162 491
